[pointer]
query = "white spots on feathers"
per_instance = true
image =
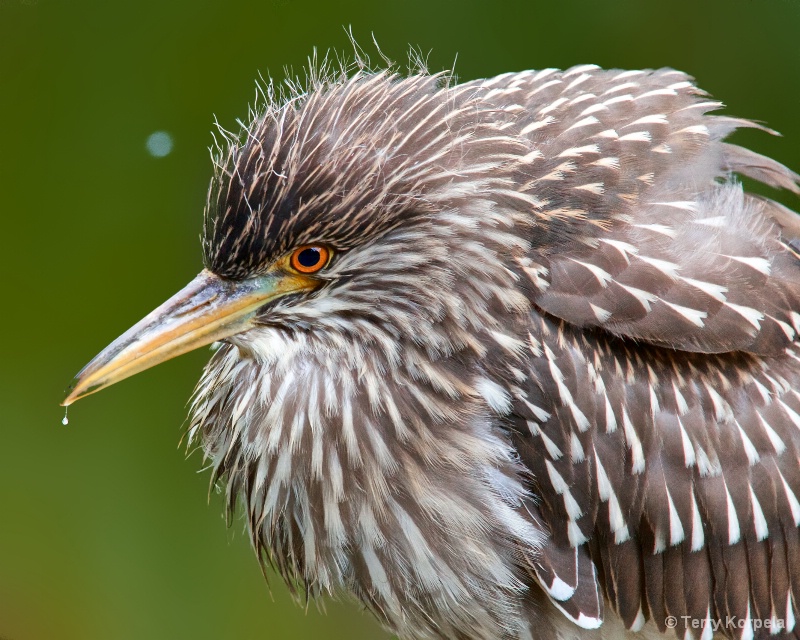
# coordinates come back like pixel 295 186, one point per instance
pixel 698 538
pixel 559 172
pixel 639 621
pixel 657 228
pixel 593 109
pixel 747 625
pixel 791 498
pixel 583 97
pixel 531 157
pixel 656 92
pixel 655 118
pixel 601 314
pixel 722 410
pixel 749 448
pixel 777 443
pixel 629 73
pixel 579 80
pixel 753 316
pixel 766 395
pixel 574 152
pixel 606 493
pixel 714 221
pixel 790 619
pixel 603 277
pixel 625 248
pixel 538 412
pixel 793 415
pixel 576 448
pixel 759 521
pixel 597 188
pixel 685 205
pixel 543 87
pixel 618 99
pixel 762 265
pixel 703 105
pixel 694 316
pixel 582 620
pixel 537 124
pixel 552 106
pixel 581 422
pixel 714 290
pixel 707 467
pixel 637 136
pixel 680 402
pixel 669 269
pixel 579 69
pixel 734 532
pixel 495 395
pixel 561 487
pixel 676 533
pixel 585 122
pixel 699 129
pixel 621 87
pixel 552 449
pixel 608 133
pixel 559 589
pixel 634 444
pixel 788 331
pixel 610 162
pixel 509 343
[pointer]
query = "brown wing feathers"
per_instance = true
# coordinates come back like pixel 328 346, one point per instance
pixel 709 518
pixel 677 470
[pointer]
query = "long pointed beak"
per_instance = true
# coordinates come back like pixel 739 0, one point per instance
pixel 206 310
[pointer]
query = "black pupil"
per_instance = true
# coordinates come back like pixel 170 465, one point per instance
pixel 309 258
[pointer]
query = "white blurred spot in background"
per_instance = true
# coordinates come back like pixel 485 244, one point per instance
pixel 159 144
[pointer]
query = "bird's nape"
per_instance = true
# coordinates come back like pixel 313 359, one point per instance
pixel 508 359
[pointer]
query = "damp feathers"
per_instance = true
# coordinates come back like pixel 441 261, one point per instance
pixel 549 387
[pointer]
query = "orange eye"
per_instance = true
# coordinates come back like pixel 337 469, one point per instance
pixel 310 258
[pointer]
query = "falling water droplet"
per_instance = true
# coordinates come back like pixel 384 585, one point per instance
pixel 65 420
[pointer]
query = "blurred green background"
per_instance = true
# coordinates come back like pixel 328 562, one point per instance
pixel 106 531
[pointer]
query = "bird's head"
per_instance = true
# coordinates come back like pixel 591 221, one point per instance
pixel 363 210
pixel 368 276
pixel 364 267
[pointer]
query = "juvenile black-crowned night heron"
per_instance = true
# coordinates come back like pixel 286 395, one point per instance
pixel 512 358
